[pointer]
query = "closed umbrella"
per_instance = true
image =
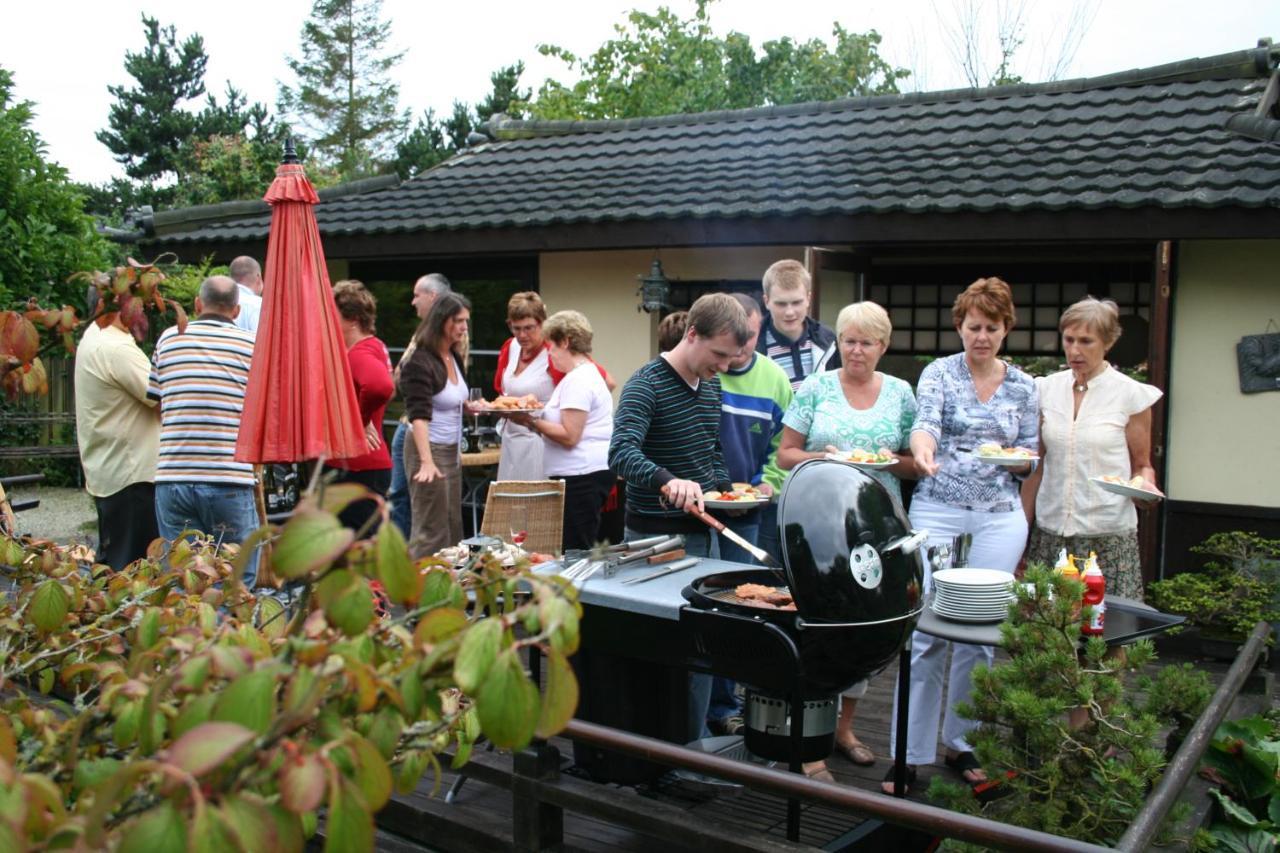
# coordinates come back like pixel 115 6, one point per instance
pixel 300 404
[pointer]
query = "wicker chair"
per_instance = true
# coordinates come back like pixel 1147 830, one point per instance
pixel 543 501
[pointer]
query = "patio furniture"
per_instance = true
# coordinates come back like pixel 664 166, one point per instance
pixel 543 501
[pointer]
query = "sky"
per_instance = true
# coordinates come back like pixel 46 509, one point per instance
pixel 64 53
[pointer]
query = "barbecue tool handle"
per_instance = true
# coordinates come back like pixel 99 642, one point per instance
pixel 677 566
pixel 719 526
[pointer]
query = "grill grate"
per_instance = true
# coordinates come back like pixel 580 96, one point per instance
pixel 728 596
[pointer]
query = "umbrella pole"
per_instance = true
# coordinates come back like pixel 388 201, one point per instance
pixel 265 576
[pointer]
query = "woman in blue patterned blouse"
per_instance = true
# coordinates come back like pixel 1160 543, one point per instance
pixel 964 401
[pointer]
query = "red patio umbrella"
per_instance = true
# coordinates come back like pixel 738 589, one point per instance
pixel 300 404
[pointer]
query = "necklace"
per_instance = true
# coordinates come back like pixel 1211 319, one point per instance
pixel 1081 386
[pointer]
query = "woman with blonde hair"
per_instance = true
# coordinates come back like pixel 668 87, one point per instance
pixel 1094 421
pixel 576 426
pixel 854 407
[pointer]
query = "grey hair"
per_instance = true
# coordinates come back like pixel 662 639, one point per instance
pixel 219 294
pixel 244 268
pixel 433 282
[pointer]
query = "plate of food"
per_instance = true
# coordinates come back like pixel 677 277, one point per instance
pixel 742 496
pixel 525 405
pixel 1134 487
pixel 868 460
pixel 1009 457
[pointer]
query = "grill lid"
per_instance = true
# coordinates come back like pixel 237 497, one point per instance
pixel 847 546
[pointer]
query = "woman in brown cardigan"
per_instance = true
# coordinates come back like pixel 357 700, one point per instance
pixel 435 396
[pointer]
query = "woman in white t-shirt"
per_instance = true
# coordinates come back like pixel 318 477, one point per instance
pixel 576 426
pixel 1094 421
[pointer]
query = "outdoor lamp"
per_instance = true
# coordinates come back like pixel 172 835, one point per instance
pixel 655 290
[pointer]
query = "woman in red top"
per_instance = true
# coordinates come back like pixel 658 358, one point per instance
pixel 371 374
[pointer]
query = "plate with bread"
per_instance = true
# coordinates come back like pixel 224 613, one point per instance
pixel 741 496
pixel 1007 457
pixel 525 405
pixel 1135 487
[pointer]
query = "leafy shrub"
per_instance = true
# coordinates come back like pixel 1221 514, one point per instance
pixel 165 704
pixel 1235 590
pixel 1244 760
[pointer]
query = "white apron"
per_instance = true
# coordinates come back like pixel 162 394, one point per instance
pixel 521 457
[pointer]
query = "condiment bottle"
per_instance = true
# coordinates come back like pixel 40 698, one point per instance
pixel 1095 586
pixel 1070 572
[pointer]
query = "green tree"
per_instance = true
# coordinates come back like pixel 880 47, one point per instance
pixel 660 65
pixel 432 140
pixel 344 94
pixel 43 228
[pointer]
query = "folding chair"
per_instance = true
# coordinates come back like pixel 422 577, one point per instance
pixel 543 502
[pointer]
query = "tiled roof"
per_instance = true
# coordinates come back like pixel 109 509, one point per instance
pixel 1154 137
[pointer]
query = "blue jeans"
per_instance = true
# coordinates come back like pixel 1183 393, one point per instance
pixel 398 494
pixel 723 701
pixel 225 512
pixel 695 545
pixel 767 535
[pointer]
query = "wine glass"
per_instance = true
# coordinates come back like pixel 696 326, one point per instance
pixel 518 522
pixel 476 396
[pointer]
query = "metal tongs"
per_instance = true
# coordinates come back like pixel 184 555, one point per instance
pixel 610 560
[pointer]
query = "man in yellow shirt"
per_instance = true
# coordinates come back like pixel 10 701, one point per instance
pixel 118 429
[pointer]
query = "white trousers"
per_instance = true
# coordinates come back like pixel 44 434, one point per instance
pixel 998 542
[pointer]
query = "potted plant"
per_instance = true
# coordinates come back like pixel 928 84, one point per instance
pixel 1237 587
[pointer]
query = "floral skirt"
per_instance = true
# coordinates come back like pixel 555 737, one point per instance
pixel 1118 557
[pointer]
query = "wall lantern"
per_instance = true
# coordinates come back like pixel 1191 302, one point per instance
pixel 655 290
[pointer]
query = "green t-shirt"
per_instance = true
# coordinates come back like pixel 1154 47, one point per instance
pixel 821 413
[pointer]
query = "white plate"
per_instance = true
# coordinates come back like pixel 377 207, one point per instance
pixel 866 466
pixel 994 610
pixel 1126 490
pixel 742 503
pixel 973 577
pixel 957 617
pixel 506 413
pixel 1006 461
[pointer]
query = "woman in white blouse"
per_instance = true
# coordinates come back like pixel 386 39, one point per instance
pixel 1095 421
pixel 576 426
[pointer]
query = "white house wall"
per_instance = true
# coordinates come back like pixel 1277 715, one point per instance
pixel 1224 446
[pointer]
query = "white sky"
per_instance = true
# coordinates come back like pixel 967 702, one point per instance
pixel 64 53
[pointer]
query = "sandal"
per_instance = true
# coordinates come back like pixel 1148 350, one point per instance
pixel 819 771
pixel 887 786
pixel 966 762
pixel 857 752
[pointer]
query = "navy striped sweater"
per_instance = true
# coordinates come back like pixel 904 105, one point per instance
pixel 665 430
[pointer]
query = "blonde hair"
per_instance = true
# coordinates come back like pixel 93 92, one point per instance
pixel 1100 316
pixel 787 275
pixel 867 316
pixel 571 328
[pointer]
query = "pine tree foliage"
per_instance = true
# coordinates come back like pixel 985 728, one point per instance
pixel 1076 738
pixel 344 96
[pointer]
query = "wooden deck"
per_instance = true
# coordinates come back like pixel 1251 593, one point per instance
pixel 481 816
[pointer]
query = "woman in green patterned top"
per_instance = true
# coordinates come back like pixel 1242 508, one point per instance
pixel 853 408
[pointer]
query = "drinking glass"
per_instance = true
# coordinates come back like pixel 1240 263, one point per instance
pixel 518 521
pixel 476 395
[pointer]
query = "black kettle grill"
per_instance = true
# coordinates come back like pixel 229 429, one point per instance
pixel 854 569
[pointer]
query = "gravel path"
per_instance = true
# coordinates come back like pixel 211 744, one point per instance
pixel 64 515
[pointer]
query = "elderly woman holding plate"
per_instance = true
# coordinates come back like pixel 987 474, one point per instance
pixel 855 407
pixel 966 401
pixel 576 426
pixel 1094 422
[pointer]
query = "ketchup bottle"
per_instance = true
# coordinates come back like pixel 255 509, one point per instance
pixel 1095 586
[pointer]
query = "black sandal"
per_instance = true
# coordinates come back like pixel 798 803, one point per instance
pixel 909 777
pixel 963 762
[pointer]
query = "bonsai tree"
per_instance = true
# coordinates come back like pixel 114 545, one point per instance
pixel 1074 748
pixel 1238 587
pixel 165 707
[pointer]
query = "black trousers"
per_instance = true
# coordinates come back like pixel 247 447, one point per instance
pixel 584 496
pixel 358 512
pixel 126 524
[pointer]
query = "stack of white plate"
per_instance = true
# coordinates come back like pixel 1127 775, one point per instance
pixel 972 595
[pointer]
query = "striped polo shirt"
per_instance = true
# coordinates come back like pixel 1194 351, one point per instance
pixel 199 376
pixel 665 430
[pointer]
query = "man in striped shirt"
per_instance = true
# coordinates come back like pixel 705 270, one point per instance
pixel 666 434
pixel 799 344
pixel 199 377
